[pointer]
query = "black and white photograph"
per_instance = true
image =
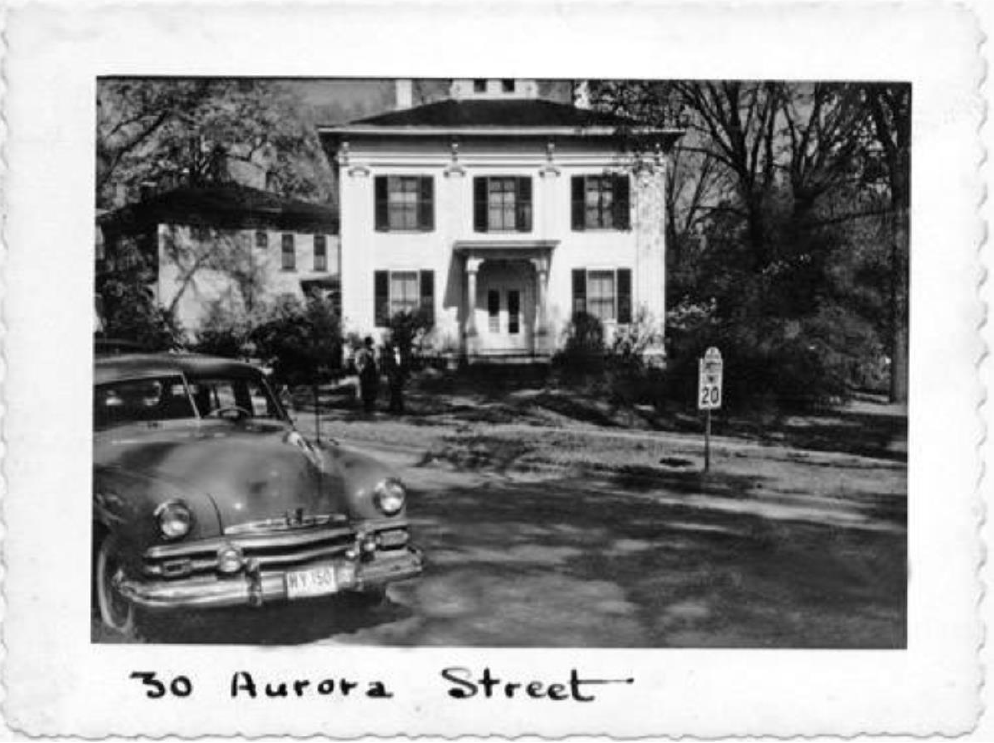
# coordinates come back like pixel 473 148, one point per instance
pixel 501 362
pixel 553 370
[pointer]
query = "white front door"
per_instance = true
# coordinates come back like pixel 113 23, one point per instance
pixel 505 310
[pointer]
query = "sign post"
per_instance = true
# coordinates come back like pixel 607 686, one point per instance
pixel 709 378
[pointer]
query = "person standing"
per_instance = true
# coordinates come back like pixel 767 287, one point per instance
pixel 365 363
pixel 394 367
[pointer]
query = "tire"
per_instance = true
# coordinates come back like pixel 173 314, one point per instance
pixel 116 612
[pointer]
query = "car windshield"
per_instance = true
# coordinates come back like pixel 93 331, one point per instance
pixel 171 397
pixel 245 395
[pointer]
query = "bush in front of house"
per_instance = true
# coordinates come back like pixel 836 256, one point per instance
pixel 408 331
pixel 301 340
pixel 226 330
pixel 129 310
pixel 583 352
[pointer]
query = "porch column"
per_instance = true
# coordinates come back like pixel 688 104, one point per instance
pixel 472 267
pixel 541 286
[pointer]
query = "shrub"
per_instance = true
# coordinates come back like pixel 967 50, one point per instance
pixel 408 331
pixel 584 349
pixel 300 340
pixel 131 313
pixel 226 331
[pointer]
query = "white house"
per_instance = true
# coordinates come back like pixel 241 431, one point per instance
pixel 500 214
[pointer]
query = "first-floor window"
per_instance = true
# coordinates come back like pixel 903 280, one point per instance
pixel 320 253
pixel 261 239
pixel 403 291
pixel 601 295
pixel 289 252
pixel 604 293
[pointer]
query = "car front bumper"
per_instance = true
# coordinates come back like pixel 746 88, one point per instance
pixel 264 587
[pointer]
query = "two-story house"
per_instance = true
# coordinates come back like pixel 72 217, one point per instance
pixel 501 215
pixel 223 243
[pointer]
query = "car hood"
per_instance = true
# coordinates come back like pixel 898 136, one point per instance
pixel 251 472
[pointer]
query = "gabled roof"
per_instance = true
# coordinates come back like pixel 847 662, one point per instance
pixel 224 205
pixel 518 113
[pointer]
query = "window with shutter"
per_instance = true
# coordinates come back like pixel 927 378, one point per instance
pixel 380 195
pixel 600 202
pixel 428 296
pixel 289 252
pixel 404 203
pixel 601 295
pixel 480 204
pixel 381 293
pixel 622 206
pixel 320 253
pixel 624 295
pixel 579 290
pixel 502 204
pixel 576 201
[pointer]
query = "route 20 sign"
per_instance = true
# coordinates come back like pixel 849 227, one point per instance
pixel 709 380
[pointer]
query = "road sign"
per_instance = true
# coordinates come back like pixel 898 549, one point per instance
pixel 709 378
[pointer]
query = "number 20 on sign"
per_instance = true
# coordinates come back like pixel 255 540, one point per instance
pixel 709 394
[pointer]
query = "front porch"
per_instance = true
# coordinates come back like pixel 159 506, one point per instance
pixel 503 317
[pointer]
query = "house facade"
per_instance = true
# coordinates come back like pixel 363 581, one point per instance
pixel 223 244
pixel 500 215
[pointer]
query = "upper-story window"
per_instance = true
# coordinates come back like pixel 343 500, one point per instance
pixel 507 85
pixel 320 253
pixel 405 203
pixel 601 202
pixel 289 252
pixel 261 239
pixel 502 204
pixel 480 85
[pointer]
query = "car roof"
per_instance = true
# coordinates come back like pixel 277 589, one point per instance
pixel 131 365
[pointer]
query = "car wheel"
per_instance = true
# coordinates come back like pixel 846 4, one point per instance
pixel 116 612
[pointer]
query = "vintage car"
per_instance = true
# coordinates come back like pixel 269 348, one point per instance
pixel 205 495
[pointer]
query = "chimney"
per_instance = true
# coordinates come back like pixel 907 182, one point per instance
pixel 405 93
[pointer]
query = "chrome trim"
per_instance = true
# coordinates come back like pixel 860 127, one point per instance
pixel 282 524
pixel 257 588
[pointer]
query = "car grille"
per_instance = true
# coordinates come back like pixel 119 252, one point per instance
pixel 272 550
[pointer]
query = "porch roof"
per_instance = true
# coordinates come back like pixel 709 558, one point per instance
pixel 486 247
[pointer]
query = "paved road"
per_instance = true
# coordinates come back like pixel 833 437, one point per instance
pixel 552 560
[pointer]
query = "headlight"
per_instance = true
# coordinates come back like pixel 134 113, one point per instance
pixel 389 496
pixel 174 519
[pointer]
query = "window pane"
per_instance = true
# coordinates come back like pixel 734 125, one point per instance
pixel 513 312
pixel 289 254
pixel 501 199
pixel 403 291
pixel 599 201
pixel 600 294
pixel 493 310
pixel 402 203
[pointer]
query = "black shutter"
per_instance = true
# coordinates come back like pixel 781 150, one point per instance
pixel 382 217
pixel 480 204
pixel 523 205
pixel 579 290
pixel 578 203
pixel 428 296
pixel 426 204
pixel 624 296
pixel 381 292
pixel 622 205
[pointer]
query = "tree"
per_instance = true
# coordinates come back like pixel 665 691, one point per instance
pixel 193 131
pixel 890 109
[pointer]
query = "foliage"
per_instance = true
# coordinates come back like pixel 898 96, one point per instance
pixel 584 349
pixel 408 331
pixel 171 131
pixel 226 331
pixel 301 341
pixel 130 311
pixel 786 230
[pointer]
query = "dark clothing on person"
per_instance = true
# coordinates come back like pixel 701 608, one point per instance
pixel 394 369
pixel 368 377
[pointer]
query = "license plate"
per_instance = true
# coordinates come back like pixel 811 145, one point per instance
pixel 319 581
